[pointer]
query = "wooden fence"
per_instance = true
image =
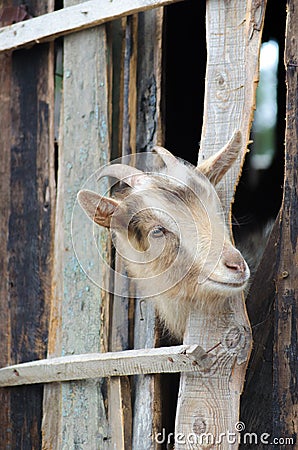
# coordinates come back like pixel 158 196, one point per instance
pixel 60 329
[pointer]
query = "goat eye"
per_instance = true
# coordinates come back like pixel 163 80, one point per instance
pixel 157 232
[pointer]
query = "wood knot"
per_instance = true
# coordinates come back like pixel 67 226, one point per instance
pixel 237 341
pixel 199 425
pixel 222 87
pixel 233 337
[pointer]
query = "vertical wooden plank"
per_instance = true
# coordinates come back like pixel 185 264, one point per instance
pixel 149 116
pixel 120 418
pixel 129 124
pixel 27 208
pixel 5 325
pixel 233 39
pixel 80 418
pixel 210 404
pixel 147 407
pixel 136 111
pixel 285 414
pixel 116 36
pixel 119 393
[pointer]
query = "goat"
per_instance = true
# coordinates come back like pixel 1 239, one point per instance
pixel 169 229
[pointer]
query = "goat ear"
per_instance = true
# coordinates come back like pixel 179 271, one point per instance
pixel 99 209
pixel 217 165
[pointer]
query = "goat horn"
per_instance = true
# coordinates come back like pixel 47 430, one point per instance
pixel 218 164
pixel 174 167
pixel 165 155
pixel 130 175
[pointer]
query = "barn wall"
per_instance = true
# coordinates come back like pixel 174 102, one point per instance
pixel 27 210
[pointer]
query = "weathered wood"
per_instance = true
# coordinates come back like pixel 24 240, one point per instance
pixel 5 327
pixel 27 207
pixel 211 404
pixel 285 368
pixel 76 309
pixel 120 418
pixel 129 124
pixel 147 398
pixel 71 19
pixel 119 399
pixel 180 358
pixel 147 408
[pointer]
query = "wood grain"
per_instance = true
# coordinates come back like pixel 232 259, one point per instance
pixel 27 212
pixel 71 19
pixel 147 397
pixel 119 389
pixel 111 364
pixel 76 308
pixel 5 327
pixel 285 367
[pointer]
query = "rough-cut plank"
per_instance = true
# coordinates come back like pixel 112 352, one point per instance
pixel 27 206
pixel 147 402
pixel 211 404
pixel 181 358
pixel 129 86
pixel 119 393
pixel 71 19
pixel 83 148
pixel 285 414
pixel 5 326
pixel 120 419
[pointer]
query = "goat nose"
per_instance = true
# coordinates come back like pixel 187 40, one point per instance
pixel 236 266
pixel 234 261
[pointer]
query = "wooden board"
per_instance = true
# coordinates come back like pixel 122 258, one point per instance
pixel 211 404
pixel 27 212
pixel 285 413
pixel 76 307
pixel 5 328
pixel 149 130
pixel 136 44
pixel 119 392
pixel 71 19
pixel 180 358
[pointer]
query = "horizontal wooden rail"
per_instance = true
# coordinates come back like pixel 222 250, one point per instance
pixel 71 19
pixel 181 358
